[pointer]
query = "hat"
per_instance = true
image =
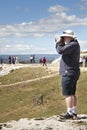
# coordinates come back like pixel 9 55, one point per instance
pixel 68 33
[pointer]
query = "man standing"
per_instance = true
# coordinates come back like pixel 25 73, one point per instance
pixel 69 48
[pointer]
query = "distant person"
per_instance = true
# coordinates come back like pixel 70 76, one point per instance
pixel 44 61
pixel 68 46
pixel 32 59
pixel 81 61
pixel 10 59
pixel 1 60
pixel 14 60
pixel 84 61
pixel 40 60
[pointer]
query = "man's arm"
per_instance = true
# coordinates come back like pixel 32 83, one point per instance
pixel 65 49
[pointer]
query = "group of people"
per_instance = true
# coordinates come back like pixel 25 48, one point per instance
pixel 41 60
pixel 13 60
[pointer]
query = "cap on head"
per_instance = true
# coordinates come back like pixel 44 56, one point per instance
pixel 68 33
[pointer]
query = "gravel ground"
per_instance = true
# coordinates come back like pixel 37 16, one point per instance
pixel 52 123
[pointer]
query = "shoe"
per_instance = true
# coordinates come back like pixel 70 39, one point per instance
pixel 74 116
pixel 62 114
pixel 66 116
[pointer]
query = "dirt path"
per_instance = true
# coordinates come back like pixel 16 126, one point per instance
pixel 51 68
pixel 28 81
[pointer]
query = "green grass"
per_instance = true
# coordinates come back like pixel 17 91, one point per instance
pixel 82 93
pixel 23 74
pixel 16 101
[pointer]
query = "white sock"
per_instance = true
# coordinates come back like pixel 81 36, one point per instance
pixel 69 110
pixel 74 109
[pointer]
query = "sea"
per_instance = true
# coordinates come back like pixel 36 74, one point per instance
pixel 26 58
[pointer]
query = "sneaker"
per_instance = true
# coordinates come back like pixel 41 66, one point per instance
pixel 62 114
pixel 66 116
pixel 74 116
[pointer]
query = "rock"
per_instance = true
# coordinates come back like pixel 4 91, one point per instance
pixel 38 99
pixel 0 127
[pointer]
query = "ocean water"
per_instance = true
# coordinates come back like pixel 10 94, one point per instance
pixel 26 58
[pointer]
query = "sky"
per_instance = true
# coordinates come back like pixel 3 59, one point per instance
pixel 30 26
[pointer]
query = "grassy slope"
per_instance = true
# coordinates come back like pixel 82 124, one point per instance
pixel 23 74
pixel 16 101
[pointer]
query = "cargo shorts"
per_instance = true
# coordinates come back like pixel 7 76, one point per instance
pixel 69 85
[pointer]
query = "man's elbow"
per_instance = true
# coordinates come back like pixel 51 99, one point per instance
pixel 60 52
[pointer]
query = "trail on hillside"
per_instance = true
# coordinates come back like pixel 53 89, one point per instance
pixel 28 81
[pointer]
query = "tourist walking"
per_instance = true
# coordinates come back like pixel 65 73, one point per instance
pixel 68 46
pixel 44 61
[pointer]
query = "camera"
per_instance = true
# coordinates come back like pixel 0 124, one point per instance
pixel 62 40
pixel 59 39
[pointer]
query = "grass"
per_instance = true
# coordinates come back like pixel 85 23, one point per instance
pixel 23 74
pixel 17 101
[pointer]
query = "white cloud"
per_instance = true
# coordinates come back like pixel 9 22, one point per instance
pixel 38 34
pixel 57 8
pixel 83 5
pixel 19 47
pixel 83 8
pixel 20 9
pixel 51 24
pixel 8 46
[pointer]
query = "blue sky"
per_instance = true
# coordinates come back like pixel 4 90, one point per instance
pixel 30 26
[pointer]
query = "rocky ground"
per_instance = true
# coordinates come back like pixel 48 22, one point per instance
pixel 52 123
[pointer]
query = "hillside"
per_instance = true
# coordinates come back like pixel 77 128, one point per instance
pixel 17 101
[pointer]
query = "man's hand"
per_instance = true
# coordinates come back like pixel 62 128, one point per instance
pixel 59 40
